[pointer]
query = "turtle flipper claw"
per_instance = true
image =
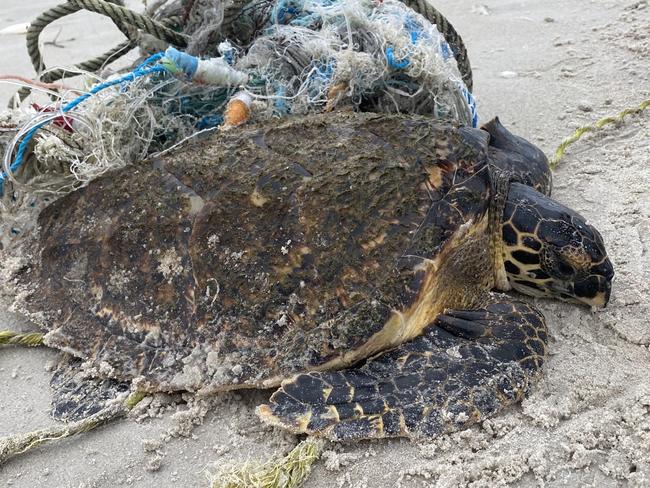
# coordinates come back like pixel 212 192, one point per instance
pixel 461 327
pixel 465 367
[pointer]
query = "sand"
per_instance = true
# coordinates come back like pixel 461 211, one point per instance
pixel 545 67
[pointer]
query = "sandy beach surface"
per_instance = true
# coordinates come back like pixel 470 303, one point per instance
pixel 545 67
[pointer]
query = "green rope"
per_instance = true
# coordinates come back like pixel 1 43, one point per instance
pixel 289 471
pixel 19 443
pixel 29 339
pixel 134 398
pixel 51 15
pixel 127 16
pixel 126 20
pixel 559 152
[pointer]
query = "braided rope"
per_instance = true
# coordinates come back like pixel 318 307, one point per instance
pixel 57 12
pixel 12 338
pixel 123 18
pixel 37 26
pixel 425 8
pixel 16 444
pixel 125 15
pixel 580 131
pixel 290 471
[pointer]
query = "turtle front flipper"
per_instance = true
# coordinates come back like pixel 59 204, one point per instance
pixel 465 367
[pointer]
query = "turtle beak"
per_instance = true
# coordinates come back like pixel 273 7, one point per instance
pixel 596 289
pixel 600 299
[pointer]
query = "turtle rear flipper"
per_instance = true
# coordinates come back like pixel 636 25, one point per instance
pixel 77 395
pixel 465 367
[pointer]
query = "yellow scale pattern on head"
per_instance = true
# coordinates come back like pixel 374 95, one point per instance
pixel 525 269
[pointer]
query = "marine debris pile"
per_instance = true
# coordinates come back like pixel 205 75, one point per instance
pixel 242 61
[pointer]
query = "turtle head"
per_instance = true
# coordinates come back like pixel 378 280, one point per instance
pixel 551 251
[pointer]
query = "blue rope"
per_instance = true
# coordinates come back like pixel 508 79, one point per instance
pixel 416 33
pixel 415 29
pixel 280 103
pixel 228 55
pixel 283 12
pixel 186 62
pixel 209 121
pixel 469 98
pixel 471 103
pixel 143 69
pixel 390 58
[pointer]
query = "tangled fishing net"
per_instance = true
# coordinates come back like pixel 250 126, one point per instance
pixel 288 57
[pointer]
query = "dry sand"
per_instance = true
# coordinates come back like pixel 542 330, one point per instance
pixel 545 67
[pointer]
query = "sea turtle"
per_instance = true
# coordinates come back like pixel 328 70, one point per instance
pixel 347 258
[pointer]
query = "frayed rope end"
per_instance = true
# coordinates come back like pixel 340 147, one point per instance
pixel 16 444
pixel 289 471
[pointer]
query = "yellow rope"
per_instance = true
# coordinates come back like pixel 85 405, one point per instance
pixel 559 152
pixel 11 338
pixel 289 471
pixel 16 444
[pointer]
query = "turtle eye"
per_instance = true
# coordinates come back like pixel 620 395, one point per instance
pixel 565 269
